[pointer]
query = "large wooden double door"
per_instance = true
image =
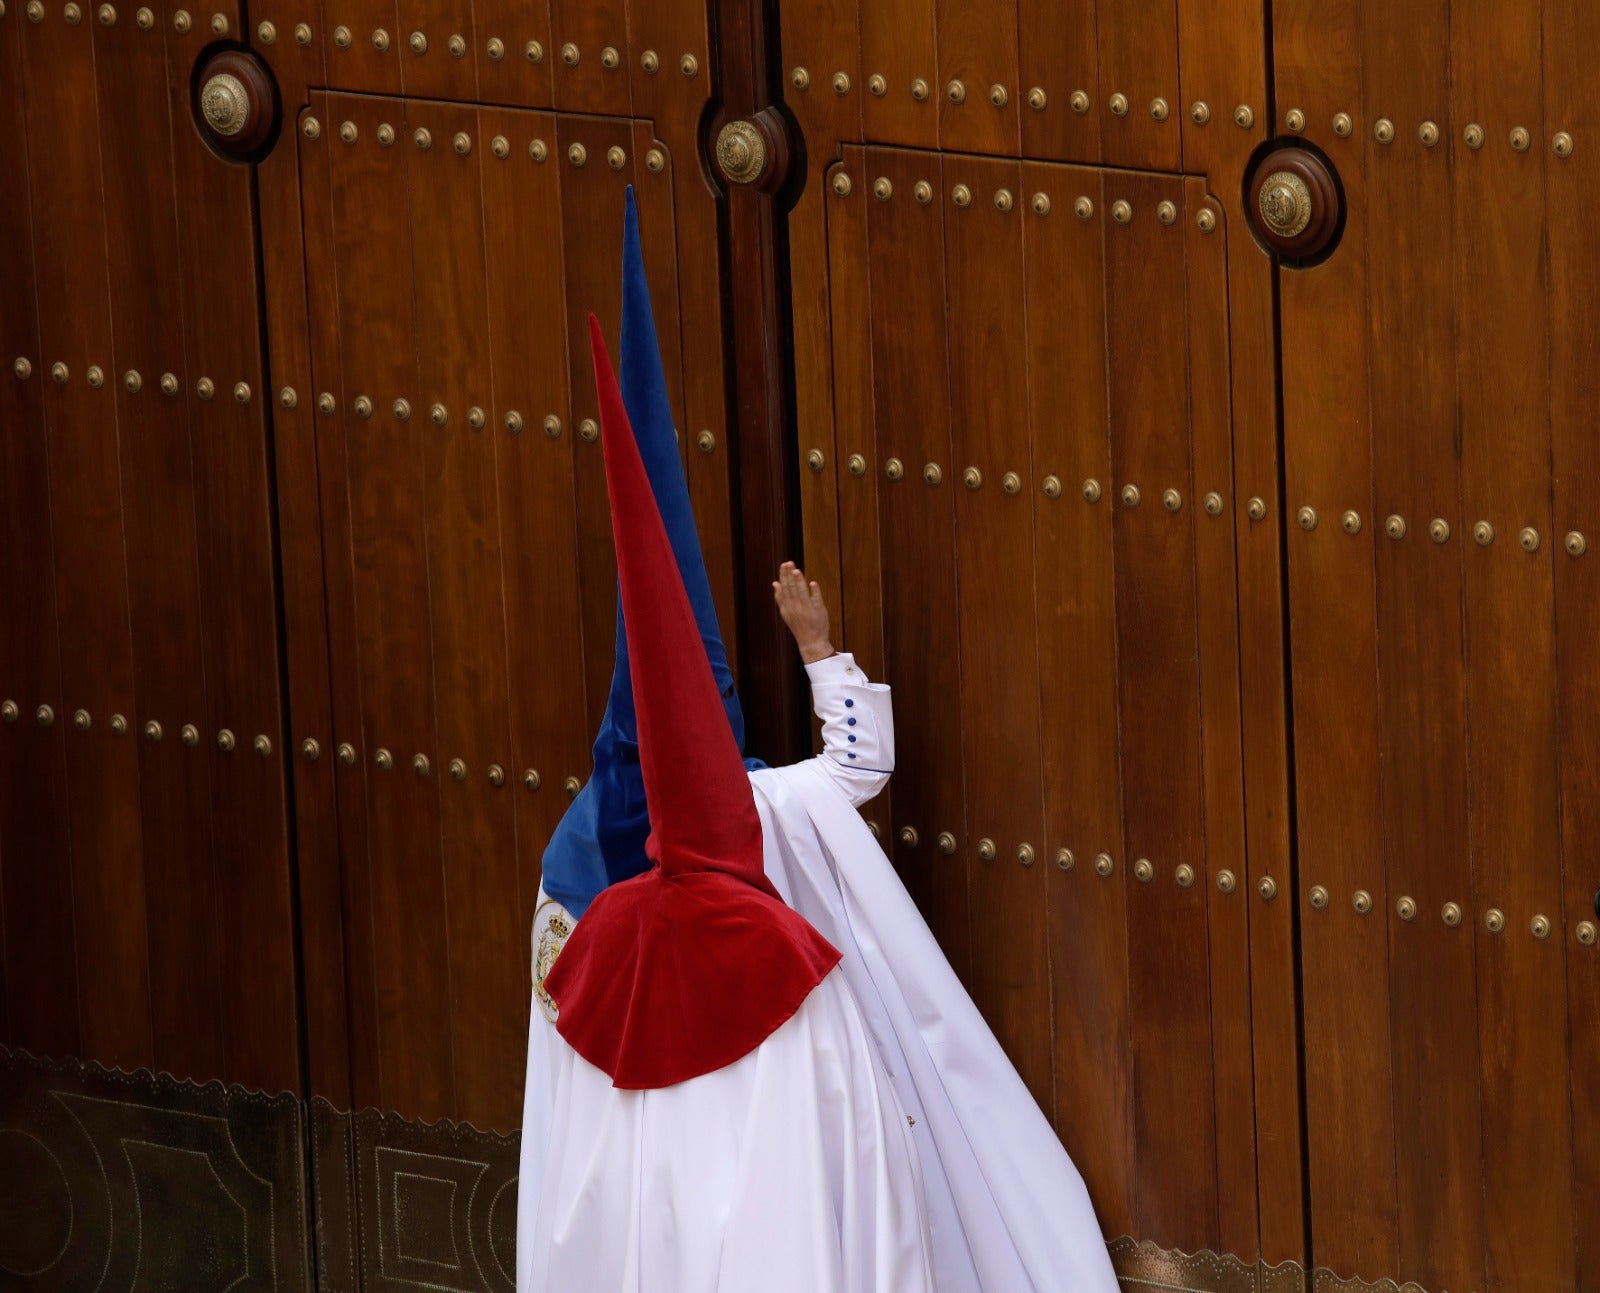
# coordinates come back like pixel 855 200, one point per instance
pixel 1237 610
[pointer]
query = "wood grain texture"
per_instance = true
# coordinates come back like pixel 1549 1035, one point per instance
pixel 990 427
pixel 1421 661
pixel 1169 989
pixel 318 287
pixel 898 43
pixel 1571 35
pixel 1138 44
pixel 911 394
pixel 328 950
pixel 510 75
pixel 1057 52
pixel 590 27
pixel 1221 748
pixel 1514 830
pixel 1332 627
pixel 352 57
pixel 162 550
pixel 837 492
pixel 1075 605
pixel 460 513
pixel 429 68
pixel 35 851
pixel 550 735
pixel 1222 62
pixel 239 621
pixel 593 286
pixel 371 234
pixel 977 46
pixel 75 331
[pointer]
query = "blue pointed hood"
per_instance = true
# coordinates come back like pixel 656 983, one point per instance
pixel 600 839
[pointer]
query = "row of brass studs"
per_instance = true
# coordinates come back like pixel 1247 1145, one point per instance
pixel 1038 98
pixel 477 419
pixel 1483 532
pixel 153 731
pixel 578 155
pixel 1041 204
pixel 495 47
pixel 144 18
pixel 383 759
pixel 132 380
pixel 1494 919
pixel 310 747
pixel 1051 486
pixel 1429 133
pixel 1065 859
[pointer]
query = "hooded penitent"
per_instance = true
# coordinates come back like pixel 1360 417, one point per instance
pixel 690 966
pixel 600 839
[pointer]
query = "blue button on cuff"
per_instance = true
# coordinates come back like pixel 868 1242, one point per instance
pixel 849 704
pixel 850 721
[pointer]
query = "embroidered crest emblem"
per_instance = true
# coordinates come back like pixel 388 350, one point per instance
pixel 552 938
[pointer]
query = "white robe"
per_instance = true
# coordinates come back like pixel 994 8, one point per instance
pixel 879 1142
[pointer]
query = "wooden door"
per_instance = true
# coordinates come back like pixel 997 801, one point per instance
pixel 144 848
pixel 1239 613
pixel 1438 439
pixel 1036 457
pixel 452 255
pixel 441 216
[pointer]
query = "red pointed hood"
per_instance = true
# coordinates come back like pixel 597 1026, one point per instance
pixel 691 966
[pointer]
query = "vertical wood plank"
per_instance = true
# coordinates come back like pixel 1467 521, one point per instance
pixel 355 30
pixel 159 530
pixel 467 614
pixel 1138 48
pixel 1504 391
pixel 857 547
pixel 335 499
pixel 1328 467
pixel 1174 1116
pixel 849 278
pixel 429 66
pixel 1571 36
pixel 515 53
pixel 591 210
pixel 814 39
pixel 288 202
pixel 1411 322
pixel 581 34
pixel 35 852
pixel 1222 756
pixel 1064 270
pixel 912 415
pixel 375 303
pixel 995 606
pixel 64 155
pixel 466 605
pixel 898 44
pixel 1222 58
pixel 1057 53
pixel 978 52
pixel 238 581
pixel 528 309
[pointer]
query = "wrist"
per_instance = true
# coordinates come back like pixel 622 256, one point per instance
pixel 811 652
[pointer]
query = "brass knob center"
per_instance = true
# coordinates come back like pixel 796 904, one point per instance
pixel 1286 204
pixel 225 103
pixel 741 152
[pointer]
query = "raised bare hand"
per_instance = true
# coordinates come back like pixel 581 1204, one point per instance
pixel 803 610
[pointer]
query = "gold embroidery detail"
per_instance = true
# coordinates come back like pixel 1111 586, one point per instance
pixel 552 938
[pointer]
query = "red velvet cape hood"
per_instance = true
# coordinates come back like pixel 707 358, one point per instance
pixel 692 965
